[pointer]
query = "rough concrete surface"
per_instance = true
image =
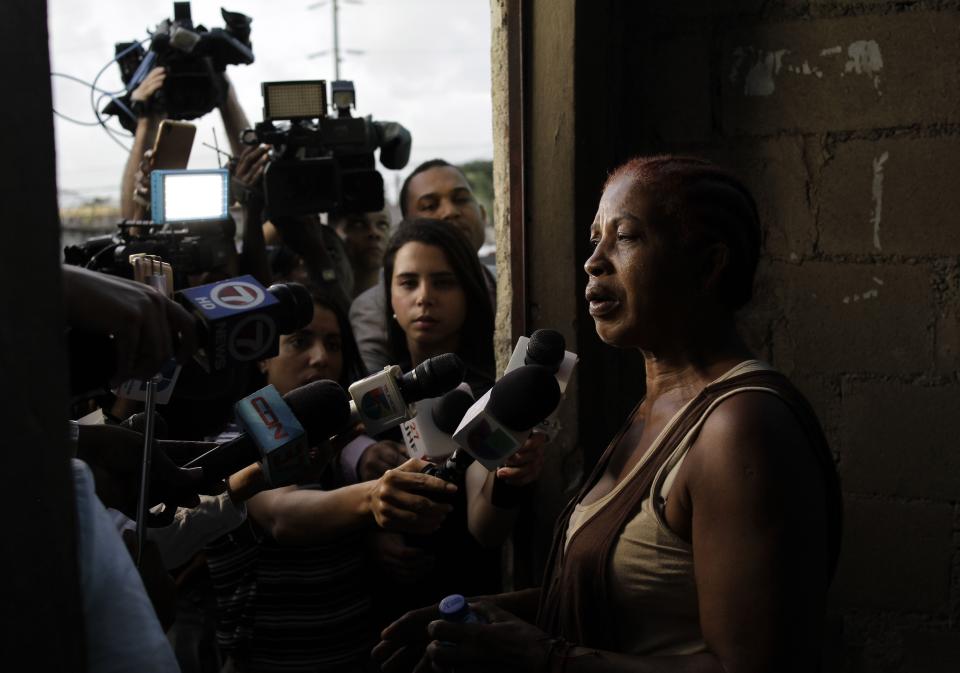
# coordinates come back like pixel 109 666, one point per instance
pixel 865 318
pixel 901 439
pixel 891 196
pixel 841 74
pixel 895 556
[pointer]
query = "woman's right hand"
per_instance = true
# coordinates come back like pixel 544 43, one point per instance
pixel 400 500
pixel 404 642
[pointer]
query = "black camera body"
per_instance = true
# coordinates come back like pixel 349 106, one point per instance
pixel 189 251
pixel 321 164
pixel 195 59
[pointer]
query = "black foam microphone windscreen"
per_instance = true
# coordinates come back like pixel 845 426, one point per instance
pixel 450 410
pixel 546 347
pixel 432 378
pixel 524 397
pixel 322 407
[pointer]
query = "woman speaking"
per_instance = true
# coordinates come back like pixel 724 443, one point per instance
pixel 707 535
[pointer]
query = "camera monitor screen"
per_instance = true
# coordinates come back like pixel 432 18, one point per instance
pixel 189 195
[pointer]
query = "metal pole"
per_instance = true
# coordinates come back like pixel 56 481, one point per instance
pixel 336 41
pixel 143 506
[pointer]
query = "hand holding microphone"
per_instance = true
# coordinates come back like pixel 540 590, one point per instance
pixel 142 320
pixel 279 432
pixel 406 500
pixel 378 458
pixel 115 454
pixel 231 322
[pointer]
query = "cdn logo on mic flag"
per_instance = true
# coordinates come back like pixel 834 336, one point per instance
pixel 267 419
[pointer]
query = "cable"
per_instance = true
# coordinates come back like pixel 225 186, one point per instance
pixel 93 88
pixel 95 102
pixel 103 94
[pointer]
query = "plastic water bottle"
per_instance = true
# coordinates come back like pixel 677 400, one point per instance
pixel 454 608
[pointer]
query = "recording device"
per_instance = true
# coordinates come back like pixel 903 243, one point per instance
pixel 499 422
pixel 278 432
pixel 195 59
pixel 546 347
pixel 385 399
pixel 189 196
pixel 320 163
pixel 203 246
pixel 171 149
pixel 429 434
pixel 241 321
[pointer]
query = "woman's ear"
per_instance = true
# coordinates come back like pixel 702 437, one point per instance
pixel 713 263
pixel 262 366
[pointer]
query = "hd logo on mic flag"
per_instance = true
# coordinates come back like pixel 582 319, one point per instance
pixel 267 419
pixel 240 316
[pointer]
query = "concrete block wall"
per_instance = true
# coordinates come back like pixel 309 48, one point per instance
pixel 844 118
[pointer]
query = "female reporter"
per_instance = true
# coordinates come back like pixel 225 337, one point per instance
pixel 292 584
pixel 707 535
pixel 437 302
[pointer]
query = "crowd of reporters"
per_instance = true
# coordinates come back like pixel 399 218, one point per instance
pixel 245 571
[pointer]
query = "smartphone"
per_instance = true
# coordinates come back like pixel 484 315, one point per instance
pixel 189 196
pixel 171 150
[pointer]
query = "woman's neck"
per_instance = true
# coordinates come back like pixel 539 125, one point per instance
pixel 684 368
pixel 420 352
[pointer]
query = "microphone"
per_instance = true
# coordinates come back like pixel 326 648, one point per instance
pixel 547 348
pixel 278 432
pixel 248 329
pixel 429 434
pixel 240 321
pixel 385 399
pixel 500 421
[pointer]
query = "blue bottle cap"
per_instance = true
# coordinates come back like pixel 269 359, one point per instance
pixel 452 605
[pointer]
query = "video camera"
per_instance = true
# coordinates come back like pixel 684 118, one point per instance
pixel 189 250
pixel 195 59
pixel 192 228
pixel 320 163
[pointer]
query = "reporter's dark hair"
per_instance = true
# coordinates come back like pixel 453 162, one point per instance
pixel 701 203
pixel 353 367
pixel 425 166
pixel 476 334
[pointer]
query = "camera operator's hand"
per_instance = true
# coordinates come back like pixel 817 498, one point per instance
pixel 150 85
pixel 141 190
pixel 400 499
pixel 143 321
pixel 248 173
pixel 115 454
pixel 378 458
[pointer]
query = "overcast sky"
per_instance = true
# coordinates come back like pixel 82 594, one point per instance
pixel 425 64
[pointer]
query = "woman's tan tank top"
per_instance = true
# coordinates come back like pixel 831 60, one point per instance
pixel 653 595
